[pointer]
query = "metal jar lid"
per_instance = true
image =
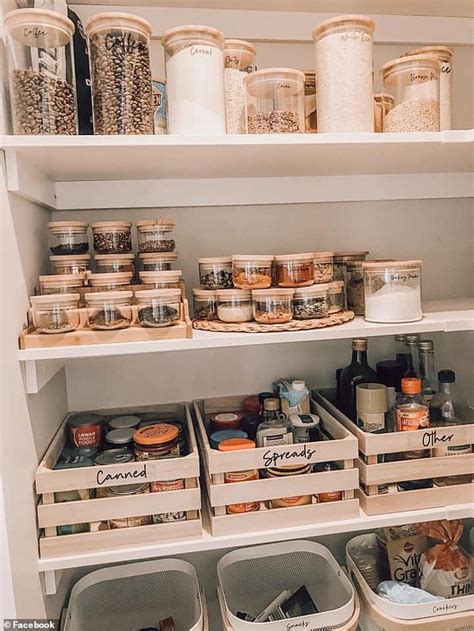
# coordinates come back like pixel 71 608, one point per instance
pixel 120 436
pixel 83 419
pixel 124 422
pixel 114 456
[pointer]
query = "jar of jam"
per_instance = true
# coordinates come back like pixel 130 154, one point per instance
pixel 225 420
pixel 234 444
pixel 84 430
pixel 295 500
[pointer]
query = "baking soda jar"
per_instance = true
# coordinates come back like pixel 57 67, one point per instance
pixel 195 80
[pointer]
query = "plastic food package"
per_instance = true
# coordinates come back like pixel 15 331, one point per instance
pixel 445 570
pixel 400 551
pixel 404 594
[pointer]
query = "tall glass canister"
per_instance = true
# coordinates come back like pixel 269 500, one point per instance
pixel 239 60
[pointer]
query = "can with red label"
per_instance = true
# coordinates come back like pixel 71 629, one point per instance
pixel 85 430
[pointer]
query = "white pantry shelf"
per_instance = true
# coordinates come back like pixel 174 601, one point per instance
pixel 41 364
pixel 88 172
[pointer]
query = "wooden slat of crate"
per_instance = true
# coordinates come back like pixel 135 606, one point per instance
pixel 82 543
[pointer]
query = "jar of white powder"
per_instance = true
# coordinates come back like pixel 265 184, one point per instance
pixel 392 291
pixel 414 84
pixel 445 58
pixel 344 61
pixel 239 61
pixel 234 305
pixel 195 80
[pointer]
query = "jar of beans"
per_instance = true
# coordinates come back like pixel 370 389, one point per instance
pixel 168 279
pixel 61 283
pixel 205 304
pixel 114 263
pixel 43 97
pixel 119 46
pixel 55 313
pixel 275 101
pixel 336 296
pixel 323 267
pixel 311 302
pixel 158 308
pixel 295 270
pixel 68 237
pixel 157 261
pixel 272 306
pixel 216 273
pixel 109 310
pixel 234 305
pixel 112 281
pixel 70 264
pixel 250 271
pixel 155 235
pixel 112 237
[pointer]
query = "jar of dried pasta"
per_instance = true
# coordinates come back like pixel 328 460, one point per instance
pixel 295 270
pixel 323 267
pixel 336 296
pixel 273 306
pixel 250 271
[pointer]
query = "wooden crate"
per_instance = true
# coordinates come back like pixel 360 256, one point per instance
pixel 342 448
pixel 52 514
pixel 372 473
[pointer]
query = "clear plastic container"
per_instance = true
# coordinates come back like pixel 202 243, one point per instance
pixel 383 103
pixel 205 304
pixel 252 271
pixel 112 281
pixel 342 258
pixel 311 302
pixel 414 84
pixel 157 261
pixel 445 58
pixel 109 310
pixel 119 52
pixel 273 306
pixel 344 67
pixel 61 283
pixel 170 279
pixel 295 270
pixel 158 308
pixel 310 112
pixel 216 273
pixel 112 237
pixel 336 296
pixel 56 313
pixel 68 237
pixel 239 61
pixel 234 305
pixel 43 97
pixel 115 263
pixel 155 235
pixel 323 267
pixel 275 101
pixel 195 80
pixel 70 264
pixel 393 291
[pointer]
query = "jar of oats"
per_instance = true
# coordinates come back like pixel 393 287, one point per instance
pixel 119 45
pixel 239 61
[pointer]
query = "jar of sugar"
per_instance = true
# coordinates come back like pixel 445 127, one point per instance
pixel 344 62
pixel 195 80
pixel 392 291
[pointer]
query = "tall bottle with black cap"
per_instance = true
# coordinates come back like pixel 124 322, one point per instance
pixel 356 373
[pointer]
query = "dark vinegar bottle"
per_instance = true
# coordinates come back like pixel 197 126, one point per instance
pixel 356 373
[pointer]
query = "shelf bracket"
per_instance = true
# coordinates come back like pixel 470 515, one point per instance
pixel 26 180
pixel 38 373
pixel 52 578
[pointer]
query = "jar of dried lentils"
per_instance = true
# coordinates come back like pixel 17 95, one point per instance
pixel 252 271
pixel 295 270
pixel 311 302
pixel 272 306
pixel 155 235
pixel 112 237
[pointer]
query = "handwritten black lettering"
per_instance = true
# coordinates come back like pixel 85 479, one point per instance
pixel 102 477
pixel 273 458
pixel 431 438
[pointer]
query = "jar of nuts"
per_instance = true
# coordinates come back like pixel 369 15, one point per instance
pixel 295 270
pixel 112 237
pixel 252 271
pixel 155 235
pixel 119 45
pixel 311 302
pixel 272 306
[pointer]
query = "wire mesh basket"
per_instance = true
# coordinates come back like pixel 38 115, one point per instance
pixel 251 578
pixel 136 596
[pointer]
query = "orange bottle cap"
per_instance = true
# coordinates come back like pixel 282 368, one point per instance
pixel 232 444
pixel 158 434
pixel 411 385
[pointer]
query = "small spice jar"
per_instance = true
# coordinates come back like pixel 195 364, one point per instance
pixel 239 60
pixel 355 287
pixel 114 281
pixel 311 302
pixel 68 237
pixel 55 313
pixel 84 430
pixel 234 305
pixel 120 438
pixel 158 307
pixel 155 235
pixel 283 472
pixel 393 291
pixel 109 310
pixel 342 258
pixel 72 264
pixel 238 444
pixel 61 283
pixel 225 420
pixel 250 271
pixel 295 270
pixel 112 237
pixel 336 296
pixel 383 103
pixel 414 84
pixel 272 306
pixel 216 273
pixel 275 101
pixel 323 267
pixel 115 263
pixel 310 115
pixel 205 304
pixel 168 279
pixel 157 261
